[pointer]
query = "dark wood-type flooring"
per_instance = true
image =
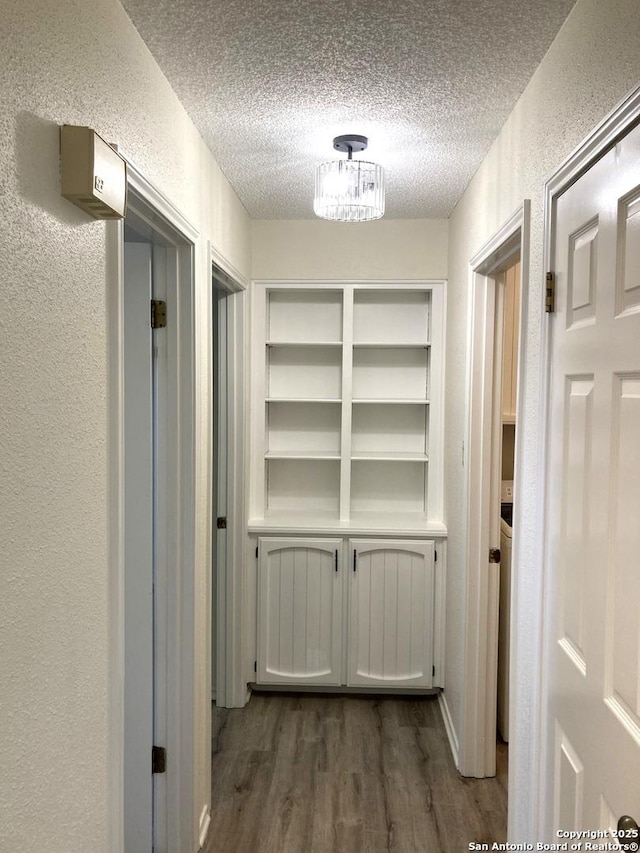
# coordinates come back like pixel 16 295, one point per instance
pixel 345 774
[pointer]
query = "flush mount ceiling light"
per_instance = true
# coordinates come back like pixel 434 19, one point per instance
pixel 349 190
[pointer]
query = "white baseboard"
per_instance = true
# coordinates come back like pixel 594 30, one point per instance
pixel 450 729
pixel 205 820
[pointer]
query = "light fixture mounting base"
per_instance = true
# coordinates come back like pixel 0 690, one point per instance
pixel 350 142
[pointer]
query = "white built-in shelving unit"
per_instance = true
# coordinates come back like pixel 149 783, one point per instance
pixel 347 388
pixel 346 442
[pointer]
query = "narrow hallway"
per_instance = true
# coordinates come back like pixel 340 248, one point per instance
pixel 302 773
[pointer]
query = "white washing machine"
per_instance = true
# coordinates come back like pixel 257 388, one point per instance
pixel 504 626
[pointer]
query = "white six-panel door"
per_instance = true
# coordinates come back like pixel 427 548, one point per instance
pixel 390 613
pixel 300 611
pixel 593 500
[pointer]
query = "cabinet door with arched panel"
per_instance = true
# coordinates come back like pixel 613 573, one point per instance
pixel 300 583
pixel 391 613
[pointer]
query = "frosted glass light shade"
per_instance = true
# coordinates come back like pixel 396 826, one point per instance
pixel 349 191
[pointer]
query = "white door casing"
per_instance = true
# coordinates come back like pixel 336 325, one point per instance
pixel 220 473
pixel 476 755
pixel 591 692
pixel 183 505
pixel 232 665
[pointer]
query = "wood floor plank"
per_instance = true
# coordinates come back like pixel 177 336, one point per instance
pixel 345 774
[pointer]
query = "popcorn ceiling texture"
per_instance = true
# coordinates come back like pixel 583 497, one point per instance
pixel 269 84
pixel 81 63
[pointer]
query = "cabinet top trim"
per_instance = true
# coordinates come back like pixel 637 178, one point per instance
pixel 432 530
pixel 356 284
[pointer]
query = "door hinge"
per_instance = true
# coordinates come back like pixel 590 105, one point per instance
pixel 435 556
pixel 255 666
pixel 256 552
pixel 158 759
pixel 158 314
pixel 221 523
pixel 550 294
pixel 494 555
pixel 433 670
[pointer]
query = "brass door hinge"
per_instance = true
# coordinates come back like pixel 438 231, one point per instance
pixel 158 314
pixel 494 555
pixel 550 294
pixel 158 759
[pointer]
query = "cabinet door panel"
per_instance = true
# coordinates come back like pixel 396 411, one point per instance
pixel 299 611
pixel 391 613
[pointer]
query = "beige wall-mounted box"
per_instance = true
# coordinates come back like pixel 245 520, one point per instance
pixel 94 176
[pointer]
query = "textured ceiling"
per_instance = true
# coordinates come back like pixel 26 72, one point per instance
pixel 269 83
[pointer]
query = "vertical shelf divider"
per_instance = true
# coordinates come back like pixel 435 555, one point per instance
pixel 347 394
pixel 259 389
pixel 435 471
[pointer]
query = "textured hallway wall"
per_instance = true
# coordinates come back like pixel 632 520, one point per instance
pixel 593 63
pixel 315 249
pixel 79 63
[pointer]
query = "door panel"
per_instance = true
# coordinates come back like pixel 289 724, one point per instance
pixel 138 556
pixel 162 257
pixel 300 611
pixel 628 280
pixel 593 498
pixel 391 614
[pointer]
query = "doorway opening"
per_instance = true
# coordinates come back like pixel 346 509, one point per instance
pixel 228 678
pixel 504 427
pixel 154 512
pixel 498 272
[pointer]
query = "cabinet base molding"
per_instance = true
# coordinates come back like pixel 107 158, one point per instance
pixel 323 691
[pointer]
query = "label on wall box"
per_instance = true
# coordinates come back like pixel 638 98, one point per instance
pixel 94 175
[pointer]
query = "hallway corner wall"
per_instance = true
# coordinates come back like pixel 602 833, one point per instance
pixel 80 63
pixel 592 64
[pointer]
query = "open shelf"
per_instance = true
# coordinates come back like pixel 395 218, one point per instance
pixel 380 345
pixel 391 316
pixel 378 401
pixel 390 373
pixel 304 372
pixel 302 454
pixel 304 315
pixel 304 343
pixel 399 431
pixel 303 485
pixel 296 400
pixel 311 428
pixel 389 456
pixel 388 486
